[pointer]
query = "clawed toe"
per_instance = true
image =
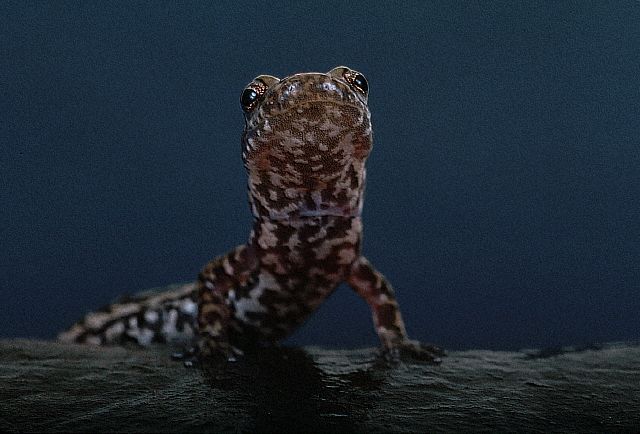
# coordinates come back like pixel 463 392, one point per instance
pixel 193 357
pixel 416 351
pixel 188 357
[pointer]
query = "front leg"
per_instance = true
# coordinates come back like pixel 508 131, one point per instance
pixel 371 285
pixel 218 277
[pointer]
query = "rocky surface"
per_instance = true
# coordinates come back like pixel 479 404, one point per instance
pixel 55 387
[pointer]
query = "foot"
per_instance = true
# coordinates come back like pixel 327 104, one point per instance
pixel 188 357
pixel 416 351
pixel 192 357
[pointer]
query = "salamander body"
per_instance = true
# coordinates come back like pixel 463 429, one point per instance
pixel 305 144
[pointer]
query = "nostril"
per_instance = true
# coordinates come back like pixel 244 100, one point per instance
pixel 331 87
pixel 289 92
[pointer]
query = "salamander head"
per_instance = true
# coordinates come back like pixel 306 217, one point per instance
pixel 305 143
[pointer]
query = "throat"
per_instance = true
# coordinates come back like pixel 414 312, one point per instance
pixel 327 243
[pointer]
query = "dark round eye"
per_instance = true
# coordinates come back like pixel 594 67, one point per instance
pixel 357 81
pixel 360 82
pixel 248 99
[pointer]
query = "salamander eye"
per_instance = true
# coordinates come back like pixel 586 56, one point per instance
pixel 252 95
pixel 361 83
pixel 357 81
pixel 249 99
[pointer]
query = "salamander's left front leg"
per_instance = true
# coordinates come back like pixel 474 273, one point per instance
pixel 371 285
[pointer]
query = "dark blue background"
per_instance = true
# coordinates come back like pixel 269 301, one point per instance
pixel 503 190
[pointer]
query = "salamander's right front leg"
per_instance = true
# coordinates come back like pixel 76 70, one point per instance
pixel 371 285
pixel 218 277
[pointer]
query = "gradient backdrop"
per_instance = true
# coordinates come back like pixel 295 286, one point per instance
pixel 503 190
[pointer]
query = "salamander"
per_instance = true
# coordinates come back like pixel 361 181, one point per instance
pixel 304 146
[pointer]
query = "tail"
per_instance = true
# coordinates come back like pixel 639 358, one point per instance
pixel 158 315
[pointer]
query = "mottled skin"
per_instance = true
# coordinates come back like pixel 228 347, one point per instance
pixel 305 144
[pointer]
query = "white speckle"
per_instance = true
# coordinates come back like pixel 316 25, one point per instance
pixel 316 196
pixel 347 256
pixel 267 237
pixel 145 336
pixel 113 332
pixel 189 307
pixel 133 322
pixel 151 316
pixel 252 303
pixel 382 299
pixel 332 129
pixel 227 267
pixel 310 137
pixel 208 285
pixel 169 325
pixel 294 241
pixel 291 192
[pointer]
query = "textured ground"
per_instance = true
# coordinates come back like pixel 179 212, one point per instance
pixel 55 387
